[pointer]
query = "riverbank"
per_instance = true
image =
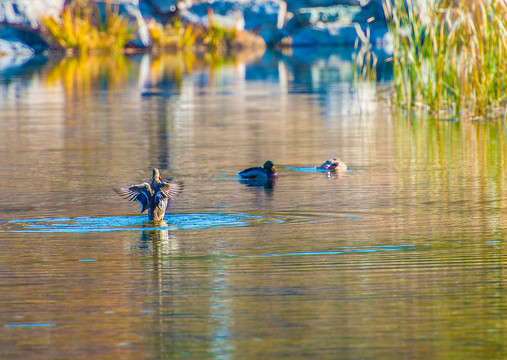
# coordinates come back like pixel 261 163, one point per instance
pixel 270 22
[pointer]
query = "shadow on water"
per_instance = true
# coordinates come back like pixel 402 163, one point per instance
pixel 268 185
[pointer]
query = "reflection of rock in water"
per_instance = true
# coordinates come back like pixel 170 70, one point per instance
pixel 334 174
pixel 161 241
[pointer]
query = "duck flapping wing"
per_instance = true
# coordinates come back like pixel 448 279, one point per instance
pixel 140 192
pixel 169 190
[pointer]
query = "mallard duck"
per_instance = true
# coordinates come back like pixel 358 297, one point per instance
pixel 267 171
pixel 154 197
pixel 333 164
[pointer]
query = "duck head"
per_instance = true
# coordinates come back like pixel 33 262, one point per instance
pixel 268 165
pixel 156 175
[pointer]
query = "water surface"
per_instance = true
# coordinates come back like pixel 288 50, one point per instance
pixel 401 256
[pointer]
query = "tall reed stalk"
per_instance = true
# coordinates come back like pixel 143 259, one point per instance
pixel 451 59
pixel 364 59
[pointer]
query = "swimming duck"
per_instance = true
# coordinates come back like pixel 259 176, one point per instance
pixel 333 164
pixel 154 197
pixel 267 171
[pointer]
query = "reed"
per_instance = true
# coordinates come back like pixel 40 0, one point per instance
pixel 174 35
pixel 364 59
pixel 451 59
pixel 82 29
pixel 217 37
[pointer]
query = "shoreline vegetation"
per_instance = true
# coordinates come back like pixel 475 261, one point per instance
pixel 82 28
pixel 450 60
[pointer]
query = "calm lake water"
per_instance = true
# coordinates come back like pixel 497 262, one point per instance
pixel 403 256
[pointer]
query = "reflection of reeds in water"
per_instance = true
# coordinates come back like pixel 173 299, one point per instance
pixel 173 65
pixel 176 65
pixel 452 152
pixel 86 72
pixel 450 58
pixel 452 174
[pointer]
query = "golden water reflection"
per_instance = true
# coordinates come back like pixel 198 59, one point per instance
pixel 87 72
pixel 82 74
pixel 456 167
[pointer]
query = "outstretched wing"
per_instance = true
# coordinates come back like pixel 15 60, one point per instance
pixel 168 191
pixel 139 193
pixel 171 190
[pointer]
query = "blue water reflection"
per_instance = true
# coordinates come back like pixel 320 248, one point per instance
pixel 128 223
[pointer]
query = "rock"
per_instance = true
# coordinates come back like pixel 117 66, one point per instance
pixel 163 7
pixel 245 40
pixel 19 24
pixel 14 47
pixel 296 5
pixel 335 33
pixel 21 40
pixel 260 17
pixel 328 34
pixel 298 23
pixel 23 17
pixel 26 13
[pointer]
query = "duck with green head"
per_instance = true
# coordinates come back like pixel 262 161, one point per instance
pixel 266 172
pixel 154 197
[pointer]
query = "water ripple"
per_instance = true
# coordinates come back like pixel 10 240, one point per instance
pixel 344 250
pixel 128 223
pixel 310 169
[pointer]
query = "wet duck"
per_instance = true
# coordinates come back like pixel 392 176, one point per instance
pixel 267 171
pixel 154 197
pixel 333 164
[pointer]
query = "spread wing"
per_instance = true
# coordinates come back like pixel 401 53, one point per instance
pixel 139 193
pixel 171 190
pixel 168 191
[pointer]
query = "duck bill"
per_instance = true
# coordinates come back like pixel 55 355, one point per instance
pixel 273 168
